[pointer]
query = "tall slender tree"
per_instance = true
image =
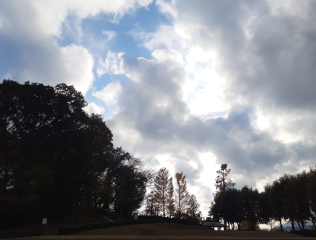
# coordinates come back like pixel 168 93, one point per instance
pixel 182 194
pixel 170 199
pixel 223 182
pixel 161 189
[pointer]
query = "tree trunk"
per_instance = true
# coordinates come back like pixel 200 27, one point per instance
pixel 299 225
pixel 303 225
pixel 313 221
pixel 293 228
pixel 281 227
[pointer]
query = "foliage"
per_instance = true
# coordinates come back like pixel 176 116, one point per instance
pixel 182 194
pixel 222 181
pixel 247 226
pixel 291 197
pixel 170 199
pixel 161 189
pixel 54 157
pixel 152 207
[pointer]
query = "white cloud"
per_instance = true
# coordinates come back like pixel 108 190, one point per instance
pixel 113 64
pixel 33 43
pixel 164 38
pixel 166 9
pixel 51 65
pixel 171 55
pixel 94 108
pixel 110 94
pixel 110 34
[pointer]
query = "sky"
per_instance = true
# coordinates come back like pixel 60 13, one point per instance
pixel 186 85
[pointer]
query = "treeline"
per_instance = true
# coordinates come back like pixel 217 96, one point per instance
pixel 174 201
pixel 54 157
pixel 289 198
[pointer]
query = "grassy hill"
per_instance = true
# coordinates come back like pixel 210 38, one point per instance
pixel 171 231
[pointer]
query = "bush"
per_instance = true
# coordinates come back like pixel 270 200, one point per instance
pixel 91 226
pixel 246 226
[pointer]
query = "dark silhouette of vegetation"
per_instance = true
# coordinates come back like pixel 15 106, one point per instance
pixel 289 198
pixel 164 201
pixel 223 183
pixel 54 156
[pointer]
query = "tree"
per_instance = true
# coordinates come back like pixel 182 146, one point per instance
pixel 126 181
pixel 182 194
pixel 265 207
pixel 49 148
pixel 222 180
pixel 193 206
pixel 311 191
pixel 170 199
pixel 161 189
pixel 193 213
pixel 250 206
pixel 152 207
pixel 277 200
pixel 296 198
pixel 247 226
pixel 227 206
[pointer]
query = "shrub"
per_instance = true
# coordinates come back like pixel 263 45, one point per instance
pixel 246 226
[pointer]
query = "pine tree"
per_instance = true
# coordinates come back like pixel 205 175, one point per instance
pixel 182 194
pixel 170 199
pixel 161 189
pixel 222 180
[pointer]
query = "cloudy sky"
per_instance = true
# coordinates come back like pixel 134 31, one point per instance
pixel 184 84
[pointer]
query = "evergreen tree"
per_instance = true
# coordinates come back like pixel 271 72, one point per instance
pixel 222 180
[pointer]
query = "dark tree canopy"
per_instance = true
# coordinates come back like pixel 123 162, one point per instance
pixel 50 148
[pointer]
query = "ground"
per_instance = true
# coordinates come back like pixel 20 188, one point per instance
pixel 163 230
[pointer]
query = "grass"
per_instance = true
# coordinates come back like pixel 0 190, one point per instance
pixel 85 216
pixel 170 231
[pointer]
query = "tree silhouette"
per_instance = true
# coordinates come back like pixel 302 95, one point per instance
pixel 182 194
pixel 222 181
pixel 170 199
pixel 161 189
